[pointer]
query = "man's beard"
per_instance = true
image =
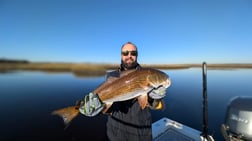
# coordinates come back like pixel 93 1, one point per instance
pixel 128 65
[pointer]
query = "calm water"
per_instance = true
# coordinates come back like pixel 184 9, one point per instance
pixel 28 98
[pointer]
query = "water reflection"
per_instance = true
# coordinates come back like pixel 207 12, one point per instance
pixel 28 98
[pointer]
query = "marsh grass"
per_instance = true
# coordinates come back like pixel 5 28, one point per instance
pixel 89 69
pixel 77 69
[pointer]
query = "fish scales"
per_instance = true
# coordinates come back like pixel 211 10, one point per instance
pixel 139 81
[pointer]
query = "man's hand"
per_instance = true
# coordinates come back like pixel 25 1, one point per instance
pixel 91 105
pixel 157 93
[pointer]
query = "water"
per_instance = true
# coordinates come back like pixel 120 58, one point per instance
pixel 28 98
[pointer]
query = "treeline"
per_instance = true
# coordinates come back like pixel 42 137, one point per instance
pixel 2 60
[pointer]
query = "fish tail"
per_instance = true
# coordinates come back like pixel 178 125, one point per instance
pixel 67 114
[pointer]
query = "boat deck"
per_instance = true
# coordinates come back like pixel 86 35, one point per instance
pixel 167 129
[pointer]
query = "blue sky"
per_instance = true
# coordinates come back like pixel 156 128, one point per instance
pixel 165 31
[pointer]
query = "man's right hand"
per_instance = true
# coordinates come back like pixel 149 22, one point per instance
pixel 91 105
pixel 157 93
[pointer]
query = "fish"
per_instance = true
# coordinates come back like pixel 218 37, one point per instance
pixel 124 86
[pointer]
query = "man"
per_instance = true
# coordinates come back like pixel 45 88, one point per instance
pixel 126 120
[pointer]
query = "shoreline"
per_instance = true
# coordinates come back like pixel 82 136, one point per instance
pixel 90 69
pixel 92 66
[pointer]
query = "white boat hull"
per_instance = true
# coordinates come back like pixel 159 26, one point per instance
pixel 168 130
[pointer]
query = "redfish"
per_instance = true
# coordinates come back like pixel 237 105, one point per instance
pixel 124 86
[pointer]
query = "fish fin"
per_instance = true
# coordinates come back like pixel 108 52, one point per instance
pixel 67 114
pixel 142 100
pixel 108 105
pixel 116 75
pixel 126 72
pixel 111 79
pixel 160 105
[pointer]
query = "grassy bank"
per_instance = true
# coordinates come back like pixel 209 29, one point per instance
pixel 78 69
pixel 209 66
pixel 88 69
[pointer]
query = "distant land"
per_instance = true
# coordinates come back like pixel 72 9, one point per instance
pixel 90 69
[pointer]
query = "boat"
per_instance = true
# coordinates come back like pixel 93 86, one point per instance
pixel 237 125
pixel 166 129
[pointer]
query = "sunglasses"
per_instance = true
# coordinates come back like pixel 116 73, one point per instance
pixel 126 53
